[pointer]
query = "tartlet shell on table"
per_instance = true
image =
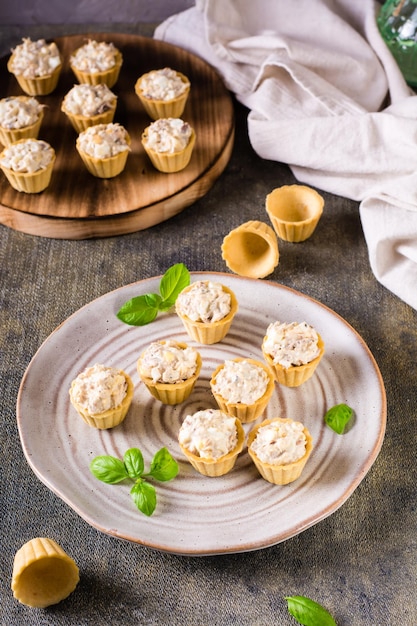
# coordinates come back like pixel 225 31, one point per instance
pixel 221 466
pixel 251 250
pixel 39 86
pixel 295 375
pixel 245 412
pixel 30 182
pixel 108 167
pixel 108 77
pixel 294 211
pixel 43 573
pixel 172 393
pixel 157 109
pixel 11 135
pixel 208 333
pixel 279 474
pixel 170 162
pixel 111 417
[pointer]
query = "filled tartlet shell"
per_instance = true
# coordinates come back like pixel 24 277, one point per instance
pixel 43 573
pixel 208 333
pixel 111 417
pixel 11 135
pixel 108 167
pixel 279 474
pixel 40 86
pixel 30 182
pixel 108 77
pixel 251 250
pixel 295 375
pixel 244 412
pixel 82 122
pixel 294 211
pixel 169 163
pixel 157 109
pixel 172 393
pixel 221 466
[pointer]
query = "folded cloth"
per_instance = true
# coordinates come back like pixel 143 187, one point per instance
pixel 326 97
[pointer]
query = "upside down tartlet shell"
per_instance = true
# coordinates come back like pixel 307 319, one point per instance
pixel 251 250
pixel 157 109
pixel 295 375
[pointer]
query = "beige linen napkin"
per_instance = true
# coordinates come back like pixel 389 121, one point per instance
pixel 326 97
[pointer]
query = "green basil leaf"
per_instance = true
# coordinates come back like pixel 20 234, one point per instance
pixel 133 460
pixel 108 469
pixel 308 612
pixel 144 496
pixel 338 417
pixel 175 279
pixel 163 467
pixel 140 310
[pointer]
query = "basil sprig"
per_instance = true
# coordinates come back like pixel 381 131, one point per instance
pixel 142 310
pixel 308 612
pixel 111 470
pixel 338 417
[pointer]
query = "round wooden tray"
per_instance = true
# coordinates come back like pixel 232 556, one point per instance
pixel 76 205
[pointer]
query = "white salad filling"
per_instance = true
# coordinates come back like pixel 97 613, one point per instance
pixel 168 135
pixel 34 59
pixel 94 57
pixel 280 443
pixel 241 382
pixel 99 388
pixel 89 100
pixel 103 140
pixel 164 84
pixel 168 362
pixel 205 301
pixel 19 112
pixel 291 344
pixel 209 434
pixel 27 156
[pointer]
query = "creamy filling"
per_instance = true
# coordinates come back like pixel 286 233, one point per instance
pixel 291 344
pixel 168 363
pixel 19 112
pixel 168 135
pixel 209 434
pixel 164 84
pixel 204 301
pixel 89 100
pixel 27 156
pixel 280 443
pixel 99 388
pixel 241 382
pixel 103 140
pixel 94 57
pixel 33 59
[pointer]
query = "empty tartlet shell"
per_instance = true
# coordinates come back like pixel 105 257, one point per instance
pixel 245 412
pixel 251 250
pixel 11 135
pixel 30 182
pixel 221 466
pixel 82 122
pixel 208 333
pixel 43 573
pixel 172 393
pixel 295 375
pixel 157 109
pixel 108 77
pixel 279 474
pixel 39 86
pixel 111 417
pixel 294 211
pixel 108 167
pixel 169 162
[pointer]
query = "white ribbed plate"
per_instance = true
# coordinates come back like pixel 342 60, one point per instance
pixel 197 515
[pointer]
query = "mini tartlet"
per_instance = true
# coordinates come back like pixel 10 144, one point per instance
pixel 163 93
pixel 104 149
pixel 89 105
pixel 169 369
pixel 28 164
pixel 292 351
pixel 242 388
pixel 284 447
pixel 211 441
pixel 169 144
pixel 294 211
pixel 206 310
pixel 251 250
pixel 36 66
pixel 96 63
pixel 102 396
pixel 20 118
pixel 43 573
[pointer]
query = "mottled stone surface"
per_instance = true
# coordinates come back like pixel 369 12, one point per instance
pixel 360 562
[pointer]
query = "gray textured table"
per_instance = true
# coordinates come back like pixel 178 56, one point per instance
pixel 360 562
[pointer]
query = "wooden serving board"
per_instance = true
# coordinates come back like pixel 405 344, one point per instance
pixel 76 205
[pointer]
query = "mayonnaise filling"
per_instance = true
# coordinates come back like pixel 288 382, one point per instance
pixel 89 100
pixel 103 140
pixel 167 135
pixel 280 443
pixel 209 433
pixel 168 362
pixel 204 301
pixel 27 156
pixel 240 382
pixel 19 112
pixel 291 344
pixel 34 59
pixel 164 84
pixel 99 388
pixel 94 57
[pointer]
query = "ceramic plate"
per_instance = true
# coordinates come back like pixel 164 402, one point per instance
pixel 197 515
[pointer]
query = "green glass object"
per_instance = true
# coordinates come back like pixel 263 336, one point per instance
pixel 397 23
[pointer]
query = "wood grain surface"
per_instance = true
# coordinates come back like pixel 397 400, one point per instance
pixel 76 205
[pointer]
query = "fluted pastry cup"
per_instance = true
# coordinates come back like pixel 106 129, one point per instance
pixel 279 474
pixel 251 250
pixel 107 167
pixel 157 109
pixel 39 86
pixel 295 375
pixel 108 77
pixel 169 162
pixel 43 573
pixel 30 182
pixel 245 412
pixel 82 122
pixel 11 135
pixel 294 211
